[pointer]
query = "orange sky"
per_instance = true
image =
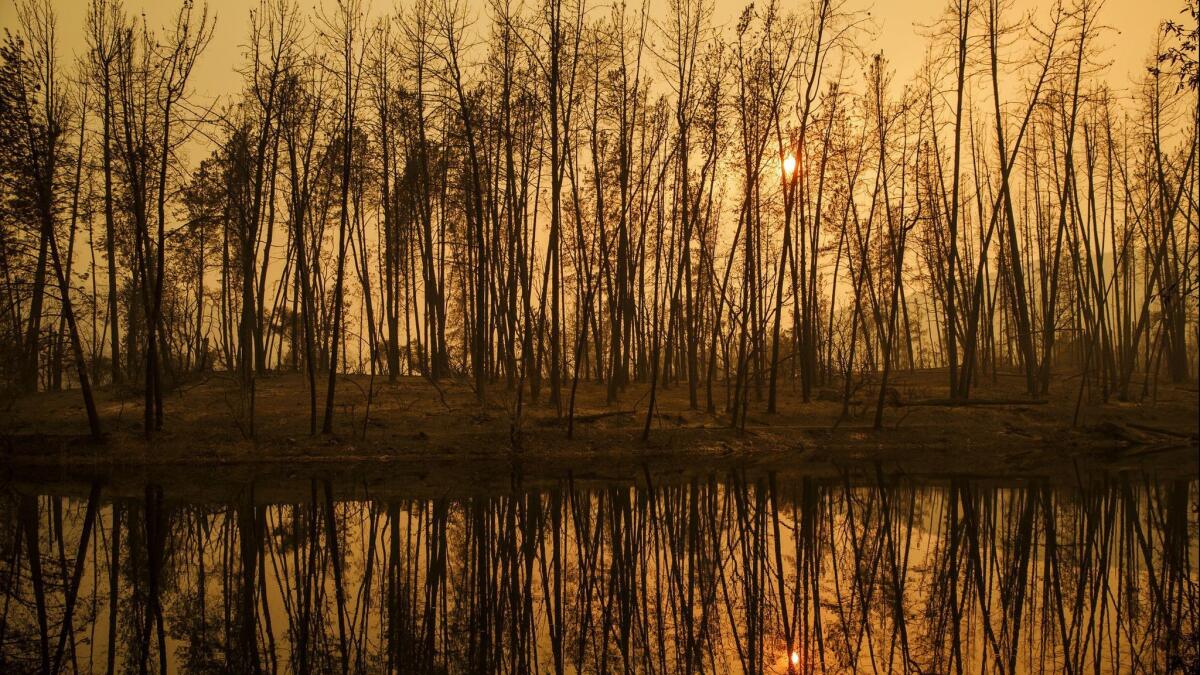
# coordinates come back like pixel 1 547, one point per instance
pixel 1132 23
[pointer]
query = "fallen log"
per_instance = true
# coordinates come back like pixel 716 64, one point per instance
pixel 599 416
pixel 1162 432
pixel 959 403
pixel 581 419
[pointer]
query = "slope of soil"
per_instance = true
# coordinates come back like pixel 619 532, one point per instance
pixel 411 426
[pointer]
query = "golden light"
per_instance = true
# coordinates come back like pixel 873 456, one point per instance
pixel 789 166
pixel 795 656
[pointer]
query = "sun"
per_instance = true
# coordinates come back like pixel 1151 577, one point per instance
pixel 789 165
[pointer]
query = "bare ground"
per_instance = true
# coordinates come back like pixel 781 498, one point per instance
pixel 442 436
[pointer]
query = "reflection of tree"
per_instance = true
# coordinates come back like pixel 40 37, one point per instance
pixel 192 619
pixel 40 580
pixel 846 574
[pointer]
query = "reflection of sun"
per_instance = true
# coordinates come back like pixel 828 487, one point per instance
pixel 789 165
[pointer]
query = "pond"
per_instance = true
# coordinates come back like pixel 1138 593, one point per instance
pixel 846 570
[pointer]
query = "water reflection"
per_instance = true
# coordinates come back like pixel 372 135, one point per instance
pixel 857 573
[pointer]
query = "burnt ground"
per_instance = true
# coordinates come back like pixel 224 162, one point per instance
pixel 433 437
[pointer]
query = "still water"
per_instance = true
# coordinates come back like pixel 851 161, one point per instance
pixel 849 571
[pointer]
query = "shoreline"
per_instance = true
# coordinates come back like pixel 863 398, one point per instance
pixel 488 466
pixel 418 429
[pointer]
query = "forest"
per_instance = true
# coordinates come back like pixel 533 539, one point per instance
pixel 531 208
pixel 566 336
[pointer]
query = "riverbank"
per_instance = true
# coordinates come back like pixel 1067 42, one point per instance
pixel 444 435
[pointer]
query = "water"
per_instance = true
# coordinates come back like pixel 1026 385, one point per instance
pixel 844 571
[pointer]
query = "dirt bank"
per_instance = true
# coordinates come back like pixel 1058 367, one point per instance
pixel 411 427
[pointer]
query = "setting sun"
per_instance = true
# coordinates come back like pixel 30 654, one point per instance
pixel 789 166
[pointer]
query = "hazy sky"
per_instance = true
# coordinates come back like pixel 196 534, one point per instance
pixel 1132 28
